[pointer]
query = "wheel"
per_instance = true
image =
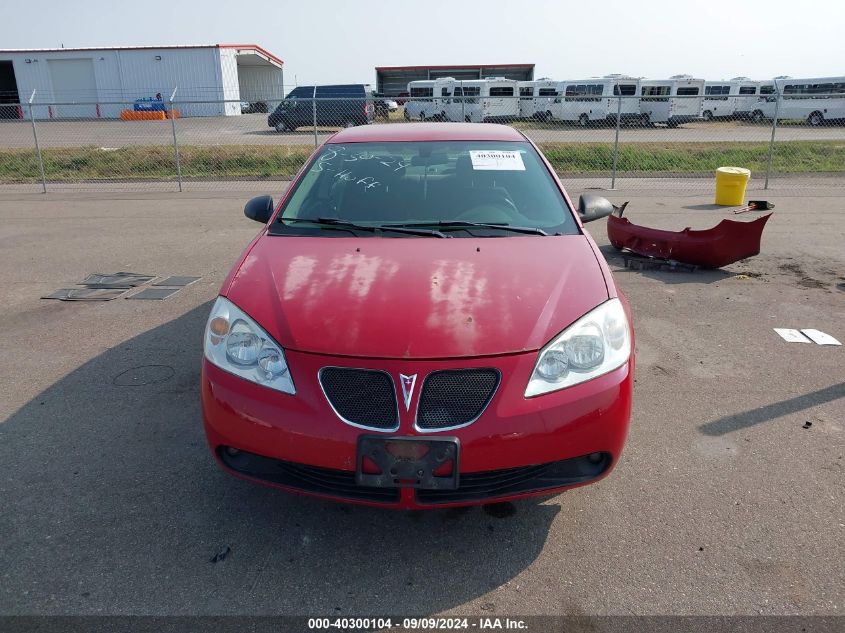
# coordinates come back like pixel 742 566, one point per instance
pixel 280 127
pixel 816 119
pixel 707 115
pixel 645 120
pixel 547 116
pixel 422 116
pixel 671 123
pixel 407 115
pixel 583 120
pixel 757 116
pixel 468 119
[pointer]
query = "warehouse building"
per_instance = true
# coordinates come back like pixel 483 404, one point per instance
pixel 100 82
pixel 393 80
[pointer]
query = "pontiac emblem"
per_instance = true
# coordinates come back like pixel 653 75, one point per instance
pixel 407 383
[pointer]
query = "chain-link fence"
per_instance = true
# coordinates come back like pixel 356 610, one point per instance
pixel 617 141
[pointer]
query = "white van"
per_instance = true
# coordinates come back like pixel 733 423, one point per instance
pixel 420 100
pixel 813 100
pixel 587 101
pixel 672 101
pixel 729 99
pixel 484 100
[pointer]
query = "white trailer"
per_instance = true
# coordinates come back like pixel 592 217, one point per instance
pixel 465 102
pixel 482 100
pixel 672 101
pixel 729 99
pixel 547 94
pixel 526 98
pixel 765 94
pixel 814 100
pixel 420 99
pixel 588 101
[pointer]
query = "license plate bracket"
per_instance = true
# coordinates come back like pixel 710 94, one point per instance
pixel 408 462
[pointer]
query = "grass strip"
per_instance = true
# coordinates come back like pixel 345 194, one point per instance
pixel 219 162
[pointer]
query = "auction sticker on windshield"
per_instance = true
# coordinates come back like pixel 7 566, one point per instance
pixel 496 160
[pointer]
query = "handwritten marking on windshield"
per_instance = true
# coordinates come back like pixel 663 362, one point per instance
pixel 324 163
pixel 368 182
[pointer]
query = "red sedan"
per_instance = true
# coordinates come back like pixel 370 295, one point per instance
pixel 422 322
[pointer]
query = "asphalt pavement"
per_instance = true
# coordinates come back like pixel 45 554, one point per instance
pixel 252 129
pixel 728 498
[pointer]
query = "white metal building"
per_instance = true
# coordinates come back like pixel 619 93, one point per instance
pixel 100 82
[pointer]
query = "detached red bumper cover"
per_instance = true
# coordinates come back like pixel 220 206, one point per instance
pixel 726 243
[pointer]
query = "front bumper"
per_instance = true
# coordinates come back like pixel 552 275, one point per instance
pixel 518 447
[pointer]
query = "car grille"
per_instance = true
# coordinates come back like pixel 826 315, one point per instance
pixel 361 396
pixel 326 481
pixel 502 483
pixel 453 398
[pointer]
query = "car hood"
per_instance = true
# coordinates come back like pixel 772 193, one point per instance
pixel 417 297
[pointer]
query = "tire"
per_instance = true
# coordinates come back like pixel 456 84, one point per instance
pixel 671 123
pixel 645 120
pixel 816 119
pixel 707 115
pixel 547 116
pixel 757 116
pixel 583 120
pixel 281 127
pixel 422 116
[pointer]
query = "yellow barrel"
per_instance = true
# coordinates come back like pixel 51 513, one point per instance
pixel 730 185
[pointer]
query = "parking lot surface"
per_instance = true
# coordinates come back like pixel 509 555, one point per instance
pixel 252 129
pixel 726 501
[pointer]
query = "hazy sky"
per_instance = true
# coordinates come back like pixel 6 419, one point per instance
pixel 332 41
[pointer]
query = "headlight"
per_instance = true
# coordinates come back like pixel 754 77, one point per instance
pixel 598 342
pixel 237 344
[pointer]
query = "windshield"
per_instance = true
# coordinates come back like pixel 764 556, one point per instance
pixel 429 183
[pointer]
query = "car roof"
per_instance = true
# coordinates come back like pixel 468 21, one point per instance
pixel 427 132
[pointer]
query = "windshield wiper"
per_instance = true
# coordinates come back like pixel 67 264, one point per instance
pixel 352 227
pixel 477 225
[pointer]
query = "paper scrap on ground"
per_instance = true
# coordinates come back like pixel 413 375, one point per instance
pixel 86 294
pixel 791 336
pixel 177 280
pixel 154 294
pixel 116 280
pixel 820 338
pixel 496 160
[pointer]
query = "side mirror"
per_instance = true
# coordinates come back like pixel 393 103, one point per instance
pixel 259 209
pixel 593 207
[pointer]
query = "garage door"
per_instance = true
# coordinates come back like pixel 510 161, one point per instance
pixel 73 82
